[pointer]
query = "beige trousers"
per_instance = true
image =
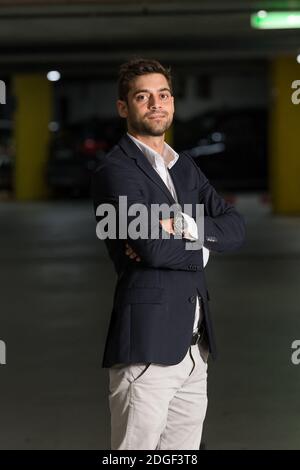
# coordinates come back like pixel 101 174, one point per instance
pixel 155 406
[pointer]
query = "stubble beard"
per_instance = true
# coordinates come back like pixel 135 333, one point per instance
pixel 153 129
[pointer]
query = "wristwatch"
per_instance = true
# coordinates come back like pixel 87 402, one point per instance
pixel 178 223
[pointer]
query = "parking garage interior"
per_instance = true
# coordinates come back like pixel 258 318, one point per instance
pixel 236 115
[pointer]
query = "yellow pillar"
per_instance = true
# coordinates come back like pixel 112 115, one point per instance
pixel 33 93
pixel 169 136
pixel 284 155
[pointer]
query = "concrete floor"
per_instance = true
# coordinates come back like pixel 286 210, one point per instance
pixel 56 293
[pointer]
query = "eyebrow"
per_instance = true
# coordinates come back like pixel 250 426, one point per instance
pixel 148 91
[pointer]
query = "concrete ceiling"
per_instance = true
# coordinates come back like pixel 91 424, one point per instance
pixel 90 33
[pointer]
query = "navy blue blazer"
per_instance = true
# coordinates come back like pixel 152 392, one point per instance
pixel 154 300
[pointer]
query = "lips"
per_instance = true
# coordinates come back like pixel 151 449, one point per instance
pixel 155 116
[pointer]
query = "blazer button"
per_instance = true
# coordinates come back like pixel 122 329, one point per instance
pixel 192 299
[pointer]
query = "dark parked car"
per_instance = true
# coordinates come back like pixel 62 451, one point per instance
pixel 230 146
pixel 75 152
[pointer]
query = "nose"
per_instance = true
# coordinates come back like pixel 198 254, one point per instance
pixel 154 102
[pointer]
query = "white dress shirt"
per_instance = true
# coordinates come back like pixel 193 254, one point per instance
pixel 162 163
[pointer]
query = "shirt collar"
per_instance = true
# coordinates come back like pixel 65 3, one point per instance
pixel 153 156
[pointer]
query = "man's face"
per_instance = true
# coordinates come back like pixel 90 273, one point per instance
pixel 150 107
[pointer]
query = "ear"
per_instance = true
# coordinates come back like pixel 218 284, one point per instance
pixel 122 108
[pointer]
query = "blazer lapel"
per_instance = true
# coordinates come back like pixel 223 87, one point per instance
pixel 176 176
pixel 134 152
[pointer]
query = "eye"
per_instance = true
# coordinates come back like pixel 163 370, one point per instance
pixel 142 98
pixel 164 96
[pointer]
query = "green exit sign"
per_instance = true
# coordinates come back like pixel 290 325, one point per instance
pixel 276 20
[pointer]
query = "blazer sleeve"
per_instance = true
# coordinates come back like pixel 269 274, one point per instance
pixel 109 182
pixel 224 226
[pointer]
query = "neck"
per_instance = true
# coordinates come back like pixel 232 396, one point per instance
pixel 154 142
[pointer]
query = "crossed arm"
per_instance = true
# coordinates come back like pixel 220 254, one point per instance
pixel 224 227
pixel 167 225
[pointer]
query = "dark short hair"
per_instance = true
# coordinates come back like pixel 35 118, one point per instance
pixel 136 67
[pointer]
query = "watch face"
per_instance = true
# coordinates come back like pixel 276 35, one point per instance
pixel 178 224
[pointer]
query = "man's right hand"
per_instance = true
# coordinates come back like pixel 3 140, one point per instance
pixel 131 253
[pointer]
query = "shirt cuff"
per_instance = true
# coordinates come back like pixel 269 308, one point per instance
pixel 191 232
pixel 190 227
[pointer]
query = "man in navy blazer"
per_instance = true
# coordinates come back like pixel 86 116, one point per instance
pixel 153 334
